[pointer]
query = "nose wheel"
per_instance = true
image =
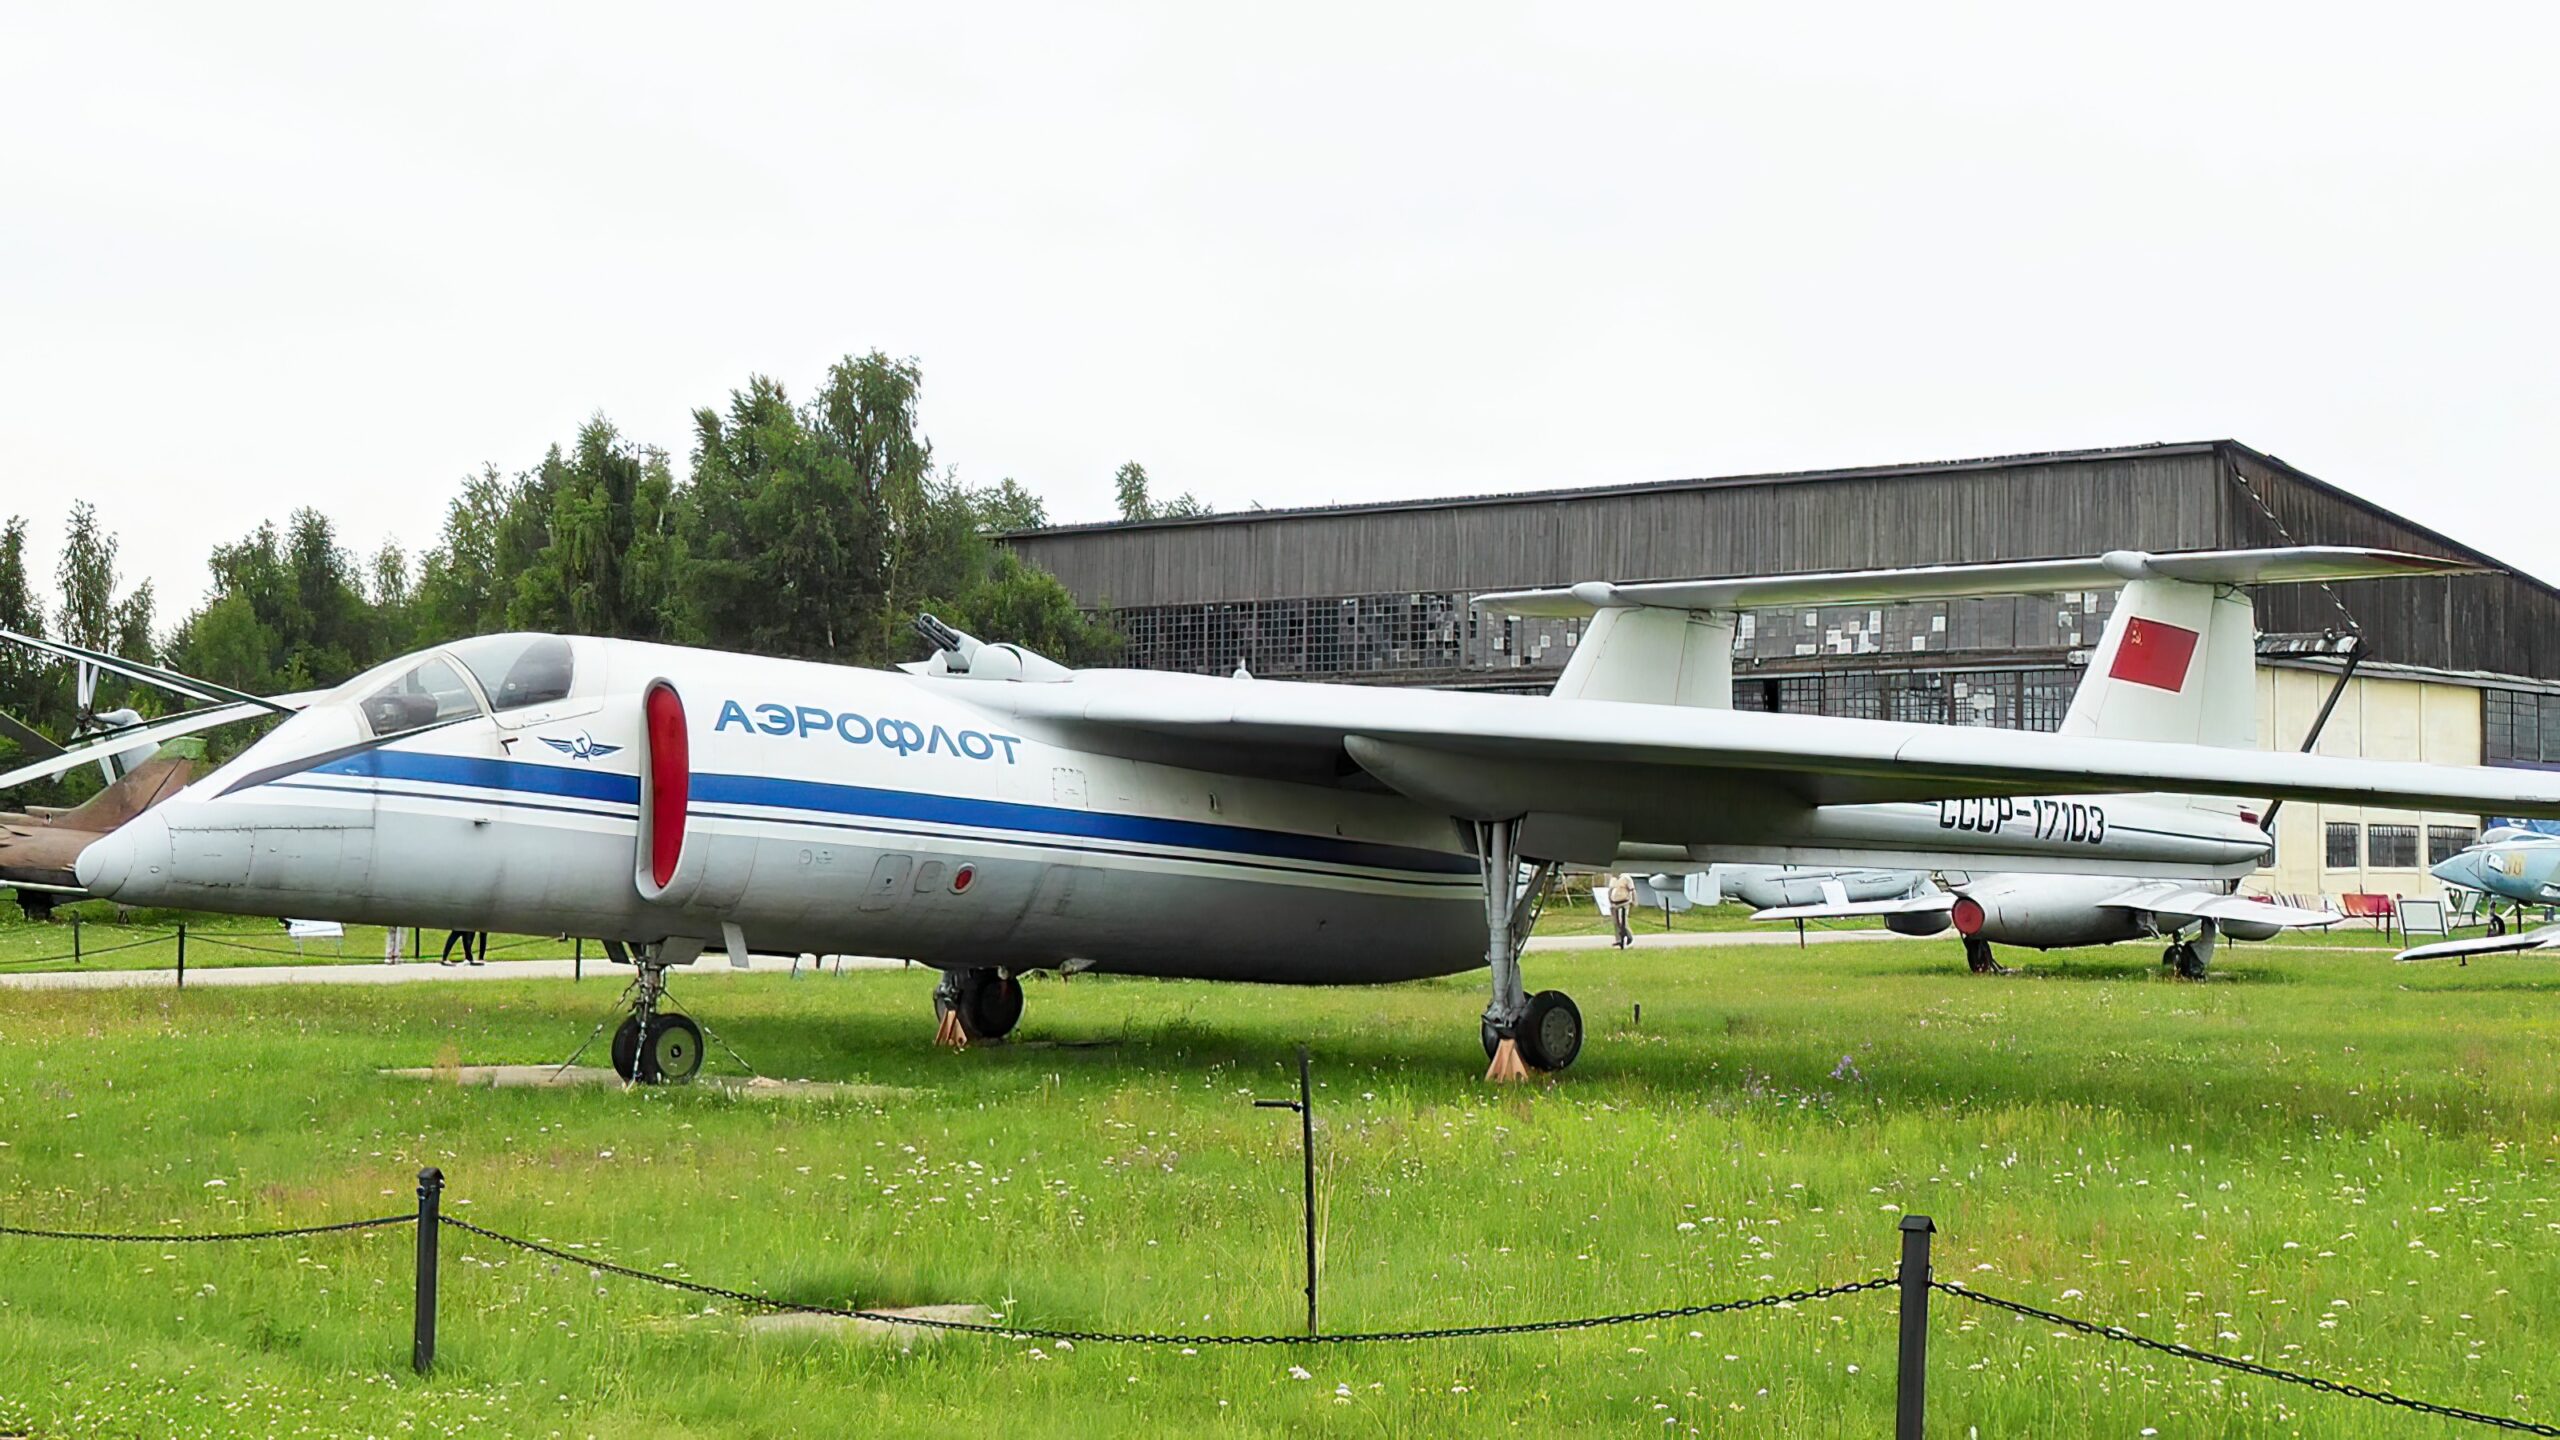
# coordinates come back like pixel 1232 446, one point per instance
pixel 653 1045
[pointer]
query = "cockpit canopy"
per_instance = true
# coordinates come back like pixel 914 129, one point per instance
pixel 489 674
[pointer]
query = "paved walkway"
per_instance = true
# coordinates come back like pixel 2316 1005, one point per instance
pixel 361 973
pixel 1692 940
pixel 366 973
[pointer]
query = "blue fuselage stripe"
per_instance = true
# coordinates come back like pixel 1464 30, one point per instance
pixel 778 793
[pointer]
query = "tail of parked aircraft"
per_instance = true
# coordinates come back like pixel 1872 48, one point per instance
pixel 2178 661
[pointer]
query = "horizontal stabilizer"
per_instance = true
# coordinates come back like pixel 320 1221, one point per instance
pixel 94 748
pixel 1850 909
pixel 2168 898
pixel 2280 566
pixel 2537 939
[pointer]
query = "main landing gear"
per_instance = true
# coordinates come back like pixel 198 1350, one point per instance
pixel 1521 1032
pixel 2189 957
pixel 654 1045
pixel 1978 956
pixel 974 1006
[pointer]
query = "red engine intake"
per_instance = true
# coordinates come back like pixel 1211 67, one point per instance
pixel 1967 913
pixel 668 781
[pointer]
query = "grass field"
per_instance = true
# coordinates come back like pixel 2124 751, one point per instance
pixel 2318 1159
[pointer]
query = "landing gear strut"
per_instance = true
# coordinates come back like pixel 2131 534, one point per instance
pixel 1978 956
pixel 975 1006
pixel 654 1045
pixel 2188 958
pixel 1521 1032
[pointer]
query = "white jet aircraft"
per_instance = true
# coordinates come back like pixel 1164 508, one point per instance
pixel 990 812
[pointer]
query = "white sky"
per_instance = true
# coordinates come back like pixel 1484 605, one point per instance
pixel 340 256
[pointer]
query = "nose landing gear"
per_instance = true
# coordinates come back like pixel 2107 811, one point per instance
pixel 654 1045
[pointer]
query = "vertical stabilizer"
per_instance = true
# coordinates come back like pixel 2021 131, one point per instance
pixel 2179 661
pixel 1653 656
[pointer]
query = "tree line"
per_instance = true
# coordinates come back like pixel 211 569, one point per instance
pixel 812 528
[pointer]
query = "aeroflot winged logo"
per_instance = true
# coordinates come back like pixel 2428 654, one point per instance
pixel 581 746
pixel 903 737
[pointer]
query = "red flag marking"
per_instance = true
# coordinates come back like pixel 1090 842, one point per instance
pixel 2154 653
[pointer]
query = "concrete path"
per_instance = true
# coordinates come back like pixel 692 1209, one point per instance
pixel 365 973
pixel 1691 940
pixel 376 974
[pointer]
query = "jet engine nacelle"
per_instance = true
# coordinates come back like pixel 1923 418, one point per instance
pixel 2045 912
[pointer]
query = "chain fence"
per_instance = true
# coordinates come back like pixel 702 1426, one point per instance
pixel 2247 1367
pixel 1124 1337
pixel 1912 1279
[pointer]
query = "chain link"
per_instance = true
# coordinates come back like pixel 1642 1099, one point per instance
pixel 409 1219
pixel 2246 1367
pixel 2287 536
pixel 1108 1337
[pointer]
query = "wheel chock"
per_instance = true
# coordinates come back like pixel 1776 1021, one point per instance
pixel 1507 1065
pixel 949 1035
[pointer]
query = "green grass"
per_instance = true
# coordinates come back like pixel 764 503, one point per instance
pixel 2322 1160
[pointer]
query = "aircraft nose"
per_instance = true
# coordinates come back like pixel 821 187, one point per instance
pixel 2462 870
pixel 135 850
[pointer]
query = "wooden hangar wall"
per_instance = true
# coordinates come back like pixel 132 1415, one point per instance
pixel 1379 592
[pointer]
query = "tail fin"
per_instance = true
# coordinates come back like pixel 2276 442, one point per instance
pixel 2179 661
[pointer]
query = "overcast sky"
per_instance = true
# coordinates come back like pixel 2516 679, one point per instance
pixel 254 258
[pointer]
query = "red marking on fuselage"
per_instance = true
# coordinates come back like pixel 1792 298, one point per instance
pixel 2154 653
pixel 1968 916
pixel 670 781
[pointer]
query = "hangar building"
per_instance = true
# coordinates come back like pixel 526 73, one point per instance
pixel 2458 670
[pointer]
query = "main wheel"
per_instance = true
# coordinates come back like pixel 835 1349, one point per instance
pixel 626 1049
pixel 1492 1037
pixel 1978 957
pixel 673 1052
pixel 1550 1034
pixel 2497 923
pixel 2185 959
pixel 990 1008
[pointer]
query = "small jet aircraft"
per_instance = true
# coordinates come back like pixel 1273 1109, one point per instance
pixel 990 812
pixel 2057 912
pixel 2509 863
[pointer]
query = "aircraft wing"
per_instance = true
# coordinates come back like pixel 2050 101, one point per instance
pixel 2289 565
pixel 2536 939
pixel 1846 909
pixel 1491 756
pixel 2179 901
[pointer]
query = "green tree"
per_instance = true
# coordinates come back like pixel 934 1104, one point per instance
pixel 1132 486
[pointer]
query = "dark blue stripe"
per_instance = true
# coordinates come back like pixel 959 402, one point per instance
pixel 901 805
pixel 388 764
pixel 1051 820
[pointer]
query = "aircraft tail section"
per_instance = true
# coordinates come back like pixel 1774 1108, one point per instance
pixel 2178 661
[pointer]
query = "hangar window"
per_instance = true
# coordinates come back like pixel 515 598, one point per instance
pixel 425 693
pixel 2446 841
pixel 2391 847
pixel 519 670
pixel 2519 727
pixel 2345 840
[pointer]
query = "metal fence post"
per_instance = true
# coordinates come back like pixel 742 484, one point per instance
pixel 1911 1383
pixel 182 957
pixel 578 961
pixel 422 1345
pixel 1305 1105
pixel 75 939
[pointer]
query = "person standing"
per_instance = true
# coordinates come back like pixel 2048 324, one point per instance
pixel 475 946
pixel 1622 905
